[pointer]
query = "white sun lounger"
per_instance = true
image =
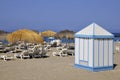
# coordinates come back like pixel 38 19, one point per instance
pixel 23 54
pixel 62 52
pixel 8 56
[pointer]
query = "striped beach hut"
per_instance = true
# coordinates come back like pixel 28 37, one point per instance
pixel 94 48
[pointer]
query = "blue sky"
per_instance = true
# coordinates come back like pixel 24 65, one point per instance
pixel 59 14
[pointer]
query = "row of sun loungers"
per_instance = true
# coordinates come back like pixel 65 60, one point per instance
pixel 33 51
pixel 23 55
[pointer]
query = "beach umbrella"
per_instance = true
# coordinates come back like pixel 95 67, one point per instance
pixel 48 33
pixel 24 35
pixel 65 34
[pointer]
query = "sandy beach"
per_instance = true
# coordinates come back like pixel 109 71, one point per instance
pixel 53 68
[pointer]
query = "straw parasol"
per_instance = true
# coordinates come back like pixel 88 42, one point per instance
pixel 24 35
pixel 48 33
pixel 65 34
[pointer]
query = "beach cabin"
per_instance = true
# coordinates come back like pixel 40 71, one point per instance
pixel 94 48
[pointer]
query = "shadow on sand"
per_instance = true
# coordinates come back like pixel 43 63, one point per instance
pixel 114 66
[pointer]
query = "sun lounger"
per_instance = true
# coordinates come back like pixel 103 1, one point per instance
pixel 2 48
pixel 8 56
pixel 44 54
pixel 48 48
pixel 37 53
pixel 23 54
pixel 70 52
pixel 62 52
pixel 17 49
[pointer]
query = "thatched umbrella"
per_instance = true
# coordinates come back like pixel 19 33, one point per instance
pixel 48 33
pixel 65 34
pixel 24 35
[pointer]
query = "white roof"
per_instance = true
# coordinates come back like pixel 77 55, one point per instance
pixel 93 30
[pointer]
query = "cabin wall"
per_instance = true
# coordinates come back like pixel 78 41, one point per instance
pixel 103 52
pixel 110 53
pixel 77 50
pixel 90 55
pixel 94 52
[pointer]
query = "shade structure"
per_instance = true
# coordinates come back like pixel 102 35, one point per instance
pixel 65 34
pixel 24 35
pixel 48 33
pixel 94 48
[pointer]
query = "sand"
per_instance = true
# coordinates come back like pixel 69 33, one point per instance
pixel 53 68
